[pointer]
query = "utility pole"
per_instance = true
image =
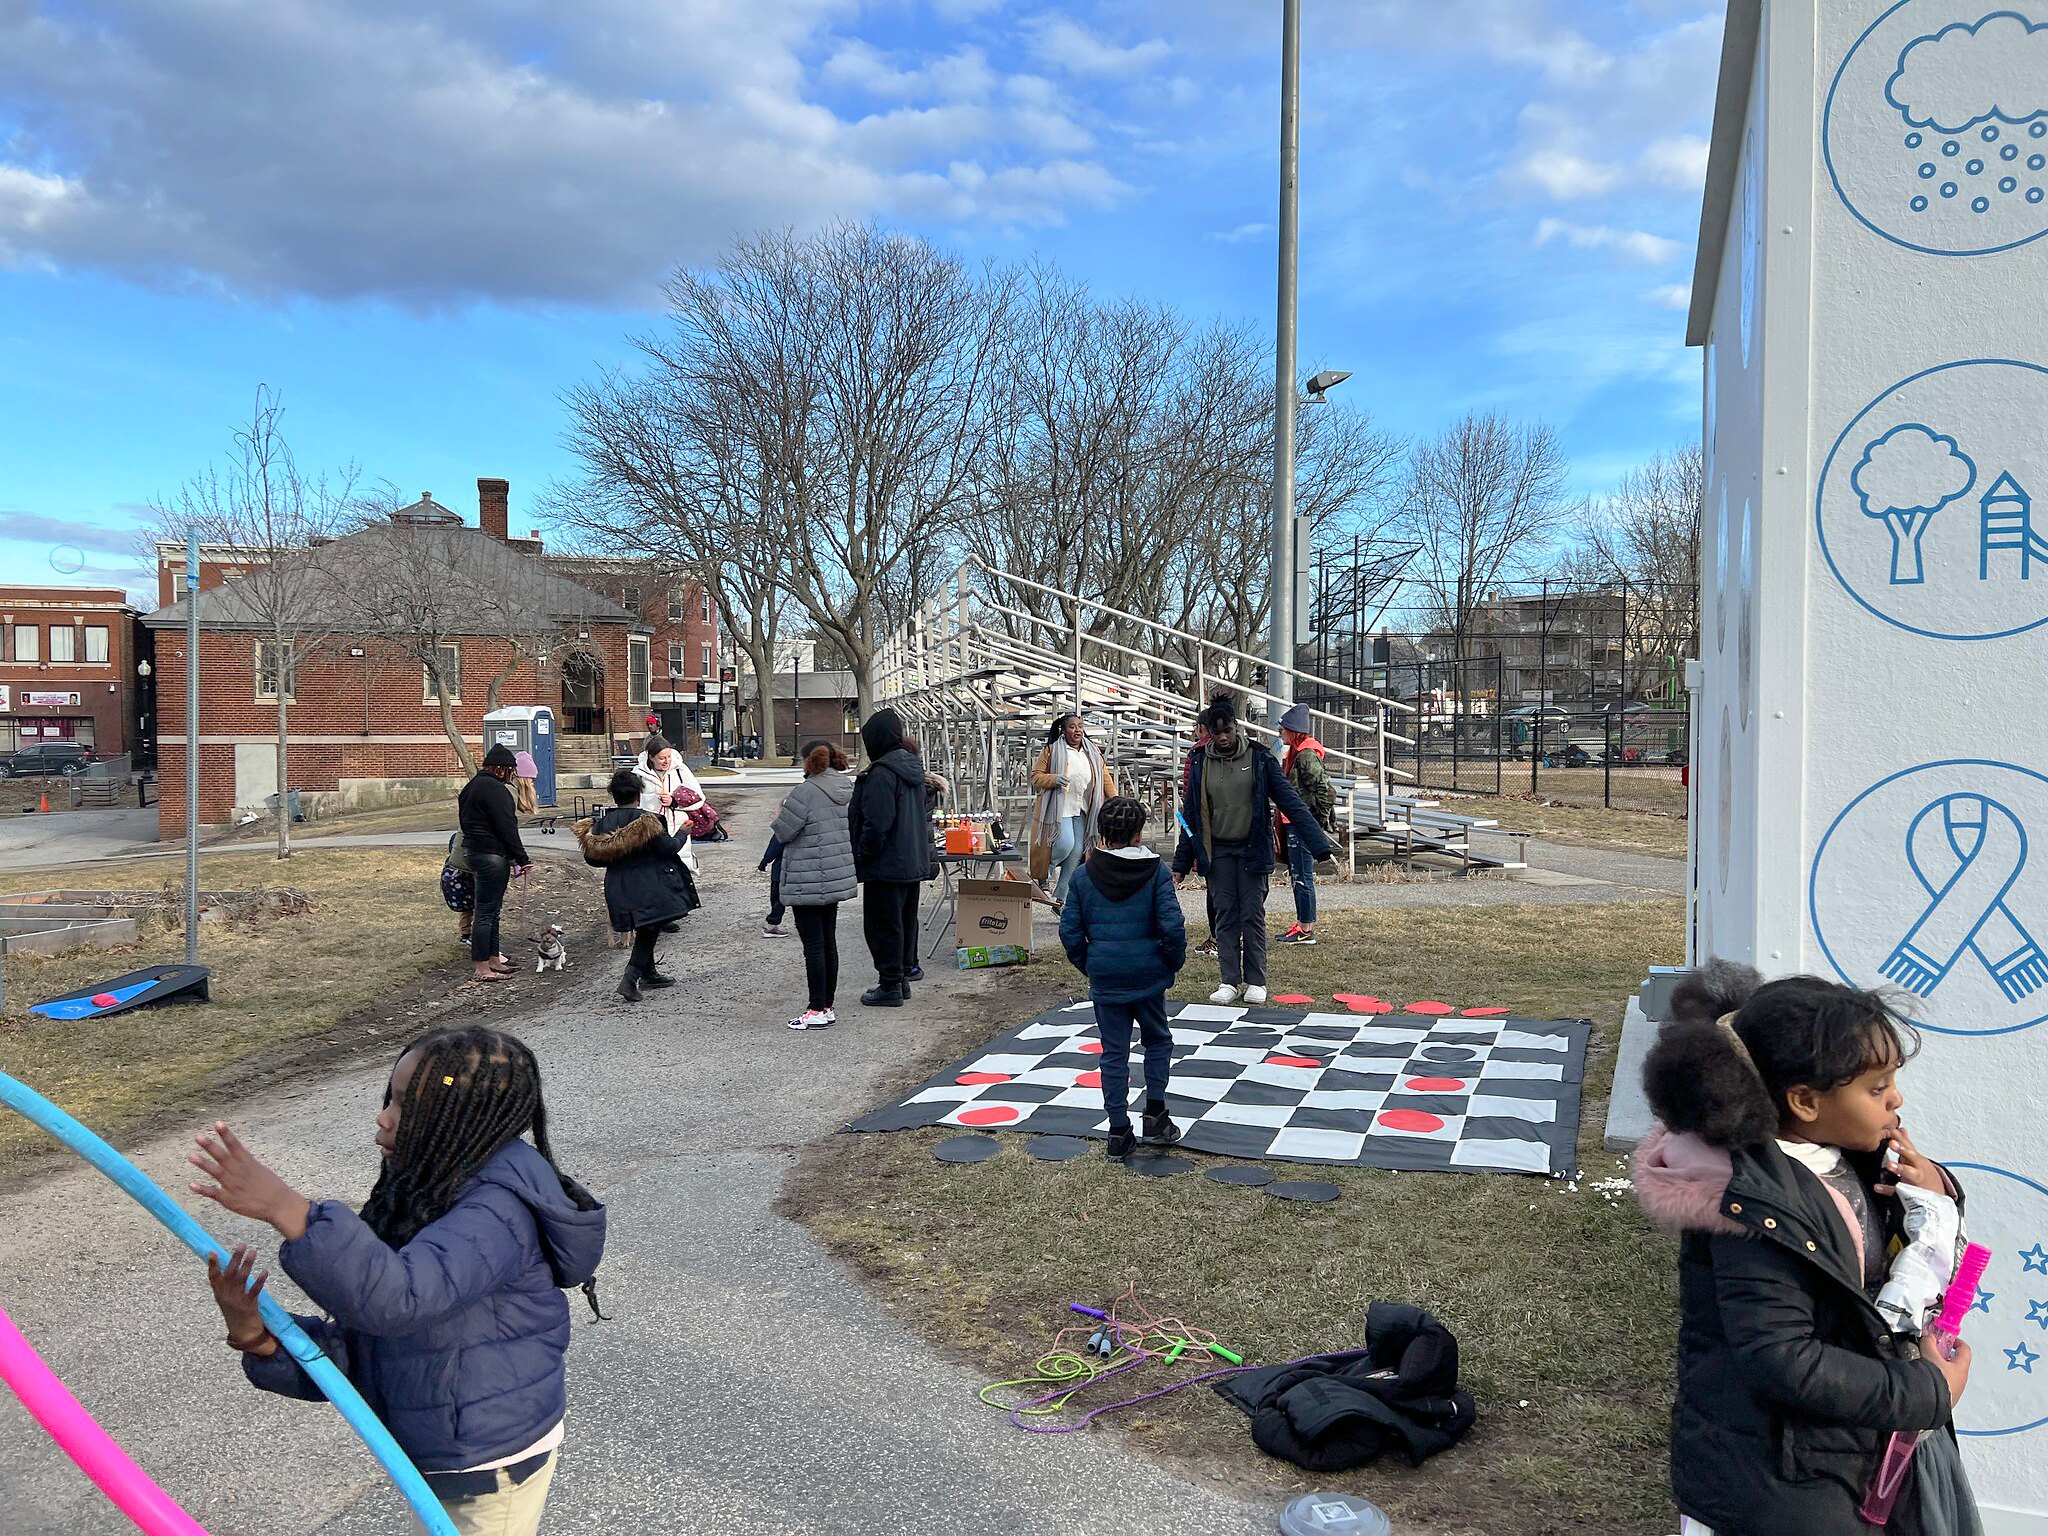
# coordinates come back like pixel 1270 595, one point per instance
pixel 192 747
pixel 1281 650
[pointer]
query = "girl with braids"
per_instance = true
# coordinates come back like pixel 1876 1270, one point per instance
pixel 445 1293
pixel 1123 930
pixel 1815 1241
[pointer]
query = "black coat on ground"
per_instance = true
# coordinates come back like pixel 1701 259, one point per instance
pixel 1399 1393
pixel 645 883
pixel 1789 1380
pixel 489 819
pixel 890 817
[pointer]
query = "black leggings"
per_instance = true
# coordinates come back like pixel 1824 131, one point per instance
pixel 889 914
pixel 641 961
pixel 818 927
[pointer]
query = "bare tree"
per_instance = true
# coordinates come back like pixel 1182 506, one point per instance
pixel 1647 535
pixel 1485 502
pixel 261 516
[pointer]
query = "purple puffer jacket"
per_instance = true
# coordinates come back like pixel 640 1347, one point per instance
pixel 455 1340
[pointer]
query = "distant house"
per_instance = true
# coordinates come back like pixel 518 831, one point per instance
pixel 808 706
pixel 365 709
pixel 73 668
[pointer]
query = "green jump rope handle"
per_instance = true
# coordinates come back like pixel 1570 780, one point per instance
pixel 1174 1353
pixel 1218 1349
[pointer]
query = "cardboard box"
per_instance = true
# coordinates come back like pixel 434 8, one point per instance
pixel 994 912
pixel 982 956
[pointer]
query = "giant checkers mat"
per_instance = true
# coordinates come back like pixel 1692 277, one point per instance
pixel 1421 1093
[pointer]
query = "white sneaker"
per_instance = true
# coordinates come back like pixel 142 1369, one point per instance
pixel 1224 994
pixel 1255 994
pixel 811 1019
pixel 831 1017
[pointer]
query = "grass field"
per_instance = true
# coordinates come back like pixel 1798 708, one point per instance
pixel 345 978
pixel 1561 1298
pixel 1623 831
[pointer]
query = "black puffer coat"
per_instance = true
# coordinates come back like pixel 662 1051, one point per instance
pixel 645 883
pixel 890 816
pixel 1789 1381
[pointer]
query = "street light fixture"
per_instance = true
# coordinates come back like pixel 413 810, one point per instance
pixel 1323 382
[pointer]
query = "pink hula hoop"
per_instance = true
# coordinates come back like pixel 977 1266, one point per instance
pixel 82 1439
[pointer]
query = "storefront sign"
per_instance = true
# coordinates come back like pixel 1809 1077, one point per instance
pixel 6 698
pixel 51 700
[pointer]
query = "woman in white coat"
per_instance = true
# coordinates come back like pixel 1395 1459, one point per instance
pixel 669 790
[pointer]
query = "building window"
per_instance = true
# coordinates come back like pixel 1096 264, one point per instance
pixel 675 607
pixel 638 683
pixel 629 599
pixel 703 661
pixel 277 670
pixel 675 659
pixel 448 662
pixel 63 643
pixel 705 608
pixel 28 643
pixel 96 642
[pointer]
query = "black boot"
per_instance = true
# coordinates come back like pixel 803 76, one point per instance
pixel 629 985
pixel 1160 1131
pixel 656 979
pixel 882 997
pixel 1121 1143
pixel 905 989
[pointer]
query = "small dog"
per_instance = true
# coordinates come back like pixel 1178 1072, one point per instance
pixel 552 951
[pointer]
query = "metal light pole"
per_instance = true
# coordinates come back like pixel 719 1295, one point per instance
pixel 1280 682
pixel 192 747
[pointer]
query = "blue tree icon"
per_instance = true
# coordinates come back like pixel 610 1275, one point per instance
pixel 1904 478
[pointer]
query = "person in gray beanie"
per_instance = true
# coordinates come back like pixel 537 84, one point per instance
pixel 1303 766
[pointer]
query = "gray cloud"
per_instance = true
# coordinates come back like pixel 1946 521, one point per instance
pixel 34 528
pixel 522 151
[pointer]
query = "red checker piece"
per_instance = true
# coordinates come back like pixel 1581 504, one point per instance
pixel 1435 1085
pixel 1408 1120
pixel 1292 999
pixel 1293 1061
pixel 1088 1080
pixel 1359 1004
pixel 1485 1013
pixel 1091 1047
pixel 992 1114
pixel 1433 1010
pixel 974 1079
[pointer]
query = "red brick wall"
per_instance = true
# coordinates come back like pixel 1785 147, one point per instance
pixel 353 716
pixel 110 709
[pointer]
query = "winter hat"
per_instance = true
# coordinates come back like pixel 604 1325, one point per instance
pixel 525 766
pixel 881 733
pixel 1296 719
pixel 500 756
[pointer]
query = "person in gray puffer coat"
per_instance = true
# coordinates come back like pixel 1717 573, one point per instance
pixel 817 872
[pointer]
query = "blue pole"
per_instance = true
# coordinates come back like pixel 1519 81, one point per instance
pixel 26 1101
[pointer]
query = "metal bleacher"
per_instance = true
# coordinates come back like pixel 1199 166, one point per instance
pixel 980 676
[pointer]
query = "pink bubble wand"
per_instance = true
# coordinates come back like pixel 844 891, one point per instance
pixel 1947 1328
pixel 80 1437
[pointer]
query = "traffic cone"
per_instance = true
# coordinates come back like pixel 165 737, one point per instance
pixel 45 806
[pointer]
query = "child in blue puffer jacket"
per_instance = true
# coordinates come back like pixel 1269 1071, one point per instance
pixel 1123 930
pixel 446 1291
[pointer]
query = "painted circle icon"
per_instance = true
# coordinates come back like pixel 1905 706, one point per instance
pixel 1927 509
pixel 1925 73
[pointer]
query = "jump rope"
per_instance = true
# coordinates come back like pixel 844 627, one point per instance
pixel 1121 1339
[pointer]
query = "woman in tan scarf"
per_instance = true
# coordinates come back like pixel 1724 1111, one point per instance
pixel 1072 781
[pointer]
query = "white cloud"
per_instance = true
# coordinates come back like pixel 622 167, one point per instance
pixel 964 10
pixel 1679 163
pixel 1636 244
pixel 1671 296
pixel 1567 176
pixel 1242 233
pixel 579 162
pixel 1069 46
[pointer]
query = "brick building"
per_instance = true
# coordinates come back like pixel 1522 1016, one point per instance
pixel 682 625
pixel 69 659
pixel 809 706
pixel 499 623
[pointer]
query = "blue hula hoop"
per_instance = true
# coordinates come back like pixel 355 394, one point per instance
pixel 326 1375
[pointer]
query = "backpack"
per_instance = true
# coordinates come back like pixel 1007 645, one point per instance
pixel 458 886
pixel 1319 793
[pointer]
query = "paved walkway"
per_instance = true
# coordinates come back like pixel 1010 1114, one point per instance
pixel 745 1384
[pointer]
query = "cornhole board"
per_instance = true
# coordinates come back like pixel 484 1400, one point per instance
pixel 138 989
pixel 1418 1093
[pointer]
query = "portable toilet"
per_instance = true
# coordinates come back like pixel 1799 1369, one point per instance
pixel 527 728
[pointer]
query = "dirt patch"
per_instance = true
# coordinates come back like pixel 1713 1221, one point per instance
pixel 1573 1385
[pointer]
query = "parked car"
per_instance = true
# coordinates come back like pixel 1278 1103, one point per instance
pixel 46 757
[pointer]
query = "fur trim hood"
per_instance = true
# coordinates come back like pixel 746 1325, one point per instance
pixel 1681 1182
pixel 620 839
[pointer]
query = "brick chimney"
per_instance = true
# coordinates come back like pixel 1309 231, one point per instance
pixel 493 513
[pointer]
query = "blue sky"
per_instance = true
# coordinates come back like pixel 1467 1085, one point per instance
pixel 419 223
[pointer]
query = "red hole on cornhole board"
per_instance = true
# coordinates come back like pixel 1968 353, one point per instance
pixel 105 1000
pixel 1435 1085
pixel 1485 1013
pixel 1293 1061
pixel 1088 1080
pixel 1433 1010
pixel 975 1078
pixel 993 1114
pixel 1091 1047
pixel 1407 1120
pixel 1292 999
